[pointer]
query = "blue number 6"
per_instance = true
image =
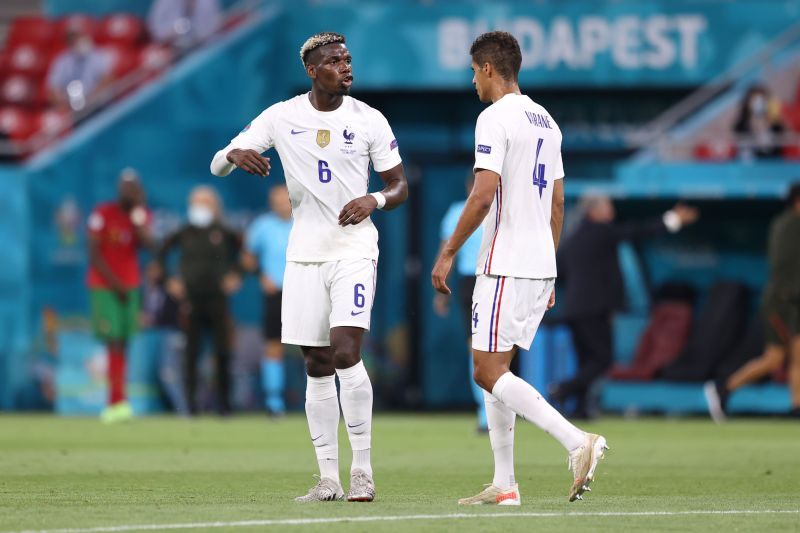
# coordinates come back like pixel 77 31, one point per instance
pixel 324 171
pixel 358 296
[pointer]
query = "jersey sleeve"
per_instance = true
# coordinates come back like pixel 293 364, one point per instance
pixel 383 150
pixel 490 143
pixel 558 171
pixel 259 135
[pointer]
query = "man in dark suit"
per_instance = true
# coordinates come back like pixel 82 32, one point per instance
pixel 592 290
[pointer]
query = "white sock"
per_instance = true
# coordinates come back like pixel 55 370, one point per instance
pixel 501 434
pixel 526 401
pixel 356 398
pixel 322 412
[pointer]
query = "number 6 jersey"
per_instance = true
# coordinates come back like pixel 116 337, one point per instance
pixel 326 158
pixel 518 139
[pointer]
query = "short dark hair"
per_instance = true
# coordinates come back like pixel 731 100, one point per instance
pixel 793 196
pixel 501 49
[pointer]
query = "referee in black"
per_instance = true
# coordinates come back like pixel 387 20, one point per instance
pixel 209 273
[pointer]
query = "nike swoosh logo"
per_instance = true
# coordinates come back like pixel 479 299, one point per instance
pixel 298 132
pixel 313 439
pixel 355 425
pixel 353 313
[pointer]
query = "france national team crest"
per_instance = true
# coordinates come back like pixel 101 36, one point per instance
pixel 348 148
pixel 323 138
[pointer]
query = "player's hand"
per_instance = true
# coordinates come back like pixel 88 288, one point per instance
pixel 686 214
pixel 440 272
pixel 552 301
pixel 231 283
pixel 357 210
pixel 441 304
pixel 175 288
pixel 121 293
pixel 250 161
pixel 268 286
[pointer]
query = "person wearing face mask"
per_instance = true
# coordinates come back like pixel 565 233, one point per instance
pixel 79 74
pixel 759 124
pixel 209 273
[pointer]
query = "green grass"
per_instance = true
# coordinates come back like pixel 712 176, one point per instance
pixel 76 473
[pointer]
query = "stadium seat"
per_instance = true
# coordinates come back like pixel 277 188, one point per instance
pixel 30 30
pixel 76 21
pixel 120 29
pixel 124 59
pixel 18 89
pixel 27 58
pixel 718 150
pixel 16 123
pixel 52 122
pixel 154 58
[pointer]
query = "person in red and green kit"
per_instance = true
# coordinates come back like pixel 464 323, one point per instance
pixel 116 232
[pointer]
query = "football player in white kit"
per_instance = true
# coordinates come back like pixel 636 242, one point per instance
pixel 518 196
pixel 327 142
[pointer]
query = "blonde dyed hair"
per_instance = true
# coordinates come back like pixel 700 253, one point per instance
pixel 318 40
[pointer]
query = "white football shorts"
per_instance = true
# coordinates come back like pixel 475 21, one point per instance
pixel 321 296
pixel 507 311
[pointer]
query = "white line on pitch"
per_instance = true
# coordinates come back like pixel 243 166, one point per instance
pixel 397 518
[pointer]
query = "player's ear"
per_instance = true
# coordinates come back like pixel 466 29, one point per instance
pixel 488 69
pixel 311 71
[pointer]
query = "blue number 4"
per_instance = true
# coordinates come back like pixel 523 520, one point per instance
pixel 538 170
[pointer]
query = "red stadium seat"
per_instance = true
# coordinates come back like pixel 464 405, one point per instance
pixel 715 151
pixel 52 122
pixel 121 29
pixel 155 58
pixel 74 22
pixel 18 89
pixel 792 152
pixel 31 30
pixel 17 123
pixel 123 59
pixel 27 58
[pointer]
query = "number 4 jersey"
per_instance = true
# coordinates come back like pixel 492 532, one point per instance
pixel 326 158
pixel 518 139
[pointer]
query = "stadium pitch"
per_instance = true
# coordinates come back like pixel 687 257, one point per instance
pixel 242 475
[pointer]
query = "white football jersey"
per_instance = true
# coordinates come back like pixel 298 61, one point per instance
pixel 518 139
pixel 326 158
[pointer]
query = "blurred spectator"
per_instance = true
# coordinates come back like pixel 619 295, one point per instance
pixel 592 288
pixel 79 73
pixel 759 124
pixel 116 231
pixel 209 273
pixel 265 250
pixel 781 313
pixel 466 262
pixel 183 23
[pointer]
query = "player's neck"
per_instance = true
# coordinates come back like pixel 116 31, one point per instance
pixel 500 90
pixel 323 101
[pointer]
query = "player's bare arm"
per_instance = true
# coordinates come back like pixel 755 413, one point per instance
pixel 250 161
pixel 475 211
pixel 556 223
pixel 97 261
pixel 395 192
